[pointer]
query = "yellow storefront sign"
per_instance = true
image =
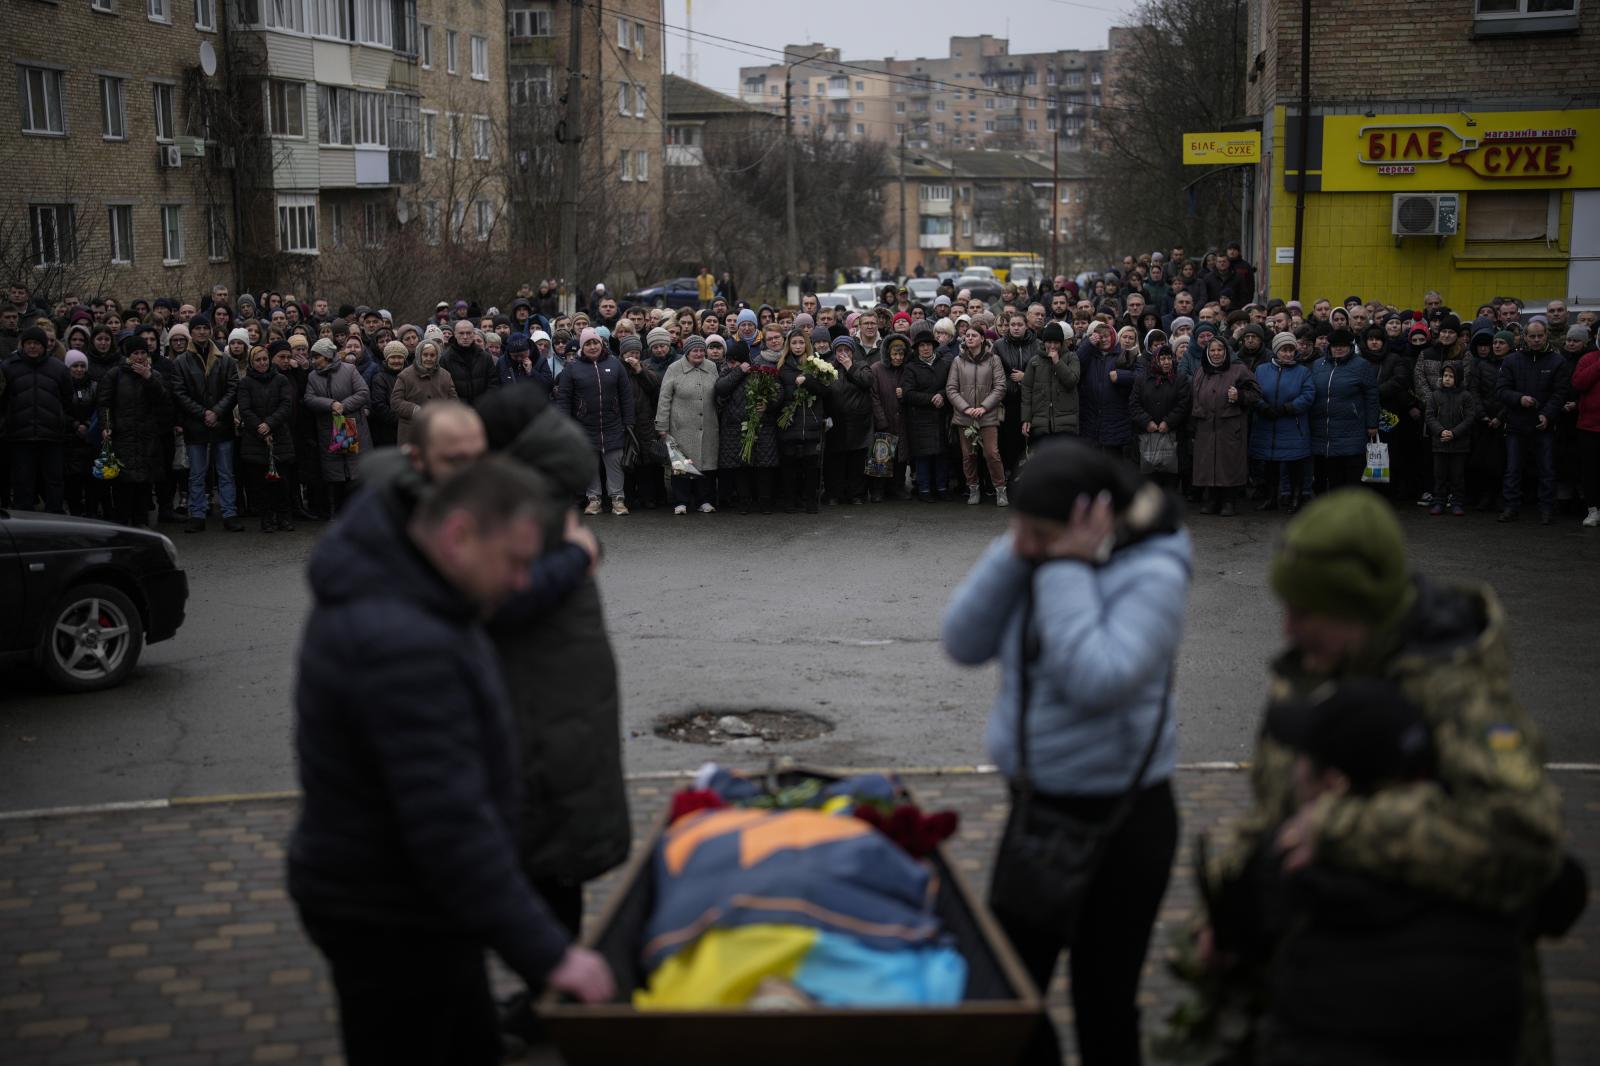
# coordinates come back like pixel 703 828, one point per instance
pixel 1207 148
pixel 1457 151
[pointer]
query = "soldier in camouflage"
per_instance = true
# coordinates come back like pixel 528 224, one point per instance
pixel 1486 830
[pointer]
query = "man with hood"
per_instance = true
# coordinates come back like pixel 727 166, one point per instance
pixel 205 386
pixel 472 369
pixel 1532 386
pixel 36 396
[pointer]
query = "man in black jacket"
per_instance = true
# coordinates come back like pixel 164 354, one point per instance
pixel 403 864
pixel 473 370
pixel 205 385
pixel 37 395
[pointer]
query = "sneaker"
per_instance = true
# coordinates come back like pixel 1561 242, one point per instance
pixel 706 508
pixel 1425 500
pixel 681 509
pixel 1000 497
pixel 233 525
pixel 1437 509
pixel 619 506
pixel 1506 516
pixel 1458 510
pixel 1593 519
pixel 593 507
pixel 972 496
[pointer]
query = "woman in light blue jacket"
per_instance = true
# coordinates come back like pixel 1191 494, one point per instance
pixel 1096 570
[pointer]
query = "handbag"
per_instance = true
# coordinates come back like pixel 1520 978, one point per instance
pixel 1158 453
pixel 1376 472
pixel 880 455
pixel 1048 856
pixel 342 436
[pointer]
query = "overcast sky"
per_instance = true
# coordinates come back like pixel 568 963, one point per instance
pixel 867 30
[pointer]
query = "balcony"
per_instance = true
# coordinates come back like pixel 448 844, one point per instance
pixel 918 86
pixel 936 208
pixel 982 239
pixel 933 240
pixel 838 116
pixel 685 155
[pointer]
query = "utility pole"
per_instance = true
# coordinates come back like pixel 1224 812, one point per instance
pixel 791 238
pixel 903 257
pixel 571 144
pixel 1055 201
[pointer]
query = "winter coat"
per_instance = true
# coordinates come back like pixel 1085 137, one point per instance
pixel 1049 401
pixel 472 369
pixel 266 398
pixel 1102 402
pixel 1425 375
pixel 198 388
pixel 1280 429
pixel 1586 390
pixel 410 802
pixel 1016 355
pixel 1397 394
pixel 599 396
pixel 803 435
pixel 1536 374
pixel 343 383
pixel 80 450
pixel 545 375
pixel 646 392
pixel 886 406
pixel 731 415
pixel 1221 446
pixel 1160 399
pixel 1346 405
pixel 977 381
pixel 686 410
pixel 381 419
pixel 850 406
pixel 138 411
pixel 37 399
pixel 412 389
pixel 1455 409
pixel 927 427
pixel 509 371
pixel 102 363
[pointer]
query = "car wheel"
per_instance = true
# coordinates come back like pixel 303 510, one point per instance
pixel 93 639
pixel 659 301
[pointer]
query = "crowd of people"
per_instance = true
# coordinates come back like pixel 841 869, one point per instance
pixel 270 401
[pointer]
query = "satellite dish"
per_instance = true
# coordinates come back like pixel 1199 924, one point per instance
pixel 208 58
pixel 402 211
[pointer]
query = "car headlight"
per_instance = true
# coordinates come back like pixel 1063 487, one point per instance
pixel 171 549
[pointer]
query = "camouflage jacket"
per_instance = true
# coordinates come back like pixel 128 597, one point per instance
pixel 1487 831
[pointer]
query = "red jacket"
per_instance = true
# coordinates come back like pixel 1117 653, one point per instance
pixel 1586 386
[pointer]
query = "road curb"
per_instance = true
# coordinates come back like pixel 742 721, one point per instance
pixel 179 802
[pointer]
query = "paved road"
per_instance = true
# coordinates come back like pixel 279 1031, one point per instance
pixel 836 614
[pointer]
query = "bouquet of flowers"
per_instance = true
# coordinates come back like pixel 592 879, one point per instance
pixel 811 367
pixel 680 463
pixel 760 389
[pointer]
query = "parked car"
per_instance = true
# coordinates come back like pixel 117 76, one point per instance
pixel 1024 271
pixel 82 597
pixel 984 288
pixel 863 294
pixel 923 290
pixel 837 297
pixel 676 292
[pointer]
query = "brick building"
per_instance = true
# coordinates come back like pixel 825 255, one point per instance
pixel 114 184
pixel 1456 149
pixel 460 196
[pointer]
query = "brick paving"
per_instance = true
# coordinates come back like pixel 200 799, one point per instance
pixel 164 937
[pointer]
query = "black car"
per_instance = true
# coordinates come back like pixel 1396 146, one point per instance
pixel 676 292
pixel 985 289
pixel 81 598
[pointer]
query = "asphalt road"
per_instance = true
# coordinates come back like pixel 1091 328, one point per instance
pixel 837 614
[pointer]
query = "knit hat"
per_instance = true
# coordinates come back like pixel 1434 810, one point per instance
pixel 588 335
pixel 898 315
pixel 1505 335
pixel 199 320
pixel 695 343
pixel 1053 333
pixel 946 325
pixel 1182 322
pixel 851 319
pixel 1345 556
pixel 747 315
pixel 395 348
pixel 297 341
pixel 34 333
pixel 278 346
pixel 326 348
pixel 659 336
pixel 803 321
pixel 1578 332
pixel 630 343
pixel 433 333
pixel 180 330
pixel 1416 327
pixel 1343 338
pixel 537 336
pixel 239 335
pixel 820 334
pixel 1450 322
pixel 941 300
pixel 717 340
pixel 1283 339
pixel 77 358
pixel 401 332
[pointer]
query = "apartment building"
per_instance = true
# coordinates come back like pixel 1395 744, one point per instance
pixel 460 196
pixel 115 183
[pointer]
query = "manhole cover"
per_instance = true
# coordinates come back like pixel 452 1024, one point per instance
pixel 745 729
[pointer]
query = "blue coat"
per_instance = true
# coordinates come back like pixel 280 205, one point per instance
pixel 405 752
pixel 599 395
pixel 1345 407
pixel 1284 437
pixel 1108 636
pixel 1524 373
pixel 1102 403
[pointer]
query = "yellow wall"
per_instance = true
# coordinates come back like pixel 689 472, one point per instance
pixel 1348 250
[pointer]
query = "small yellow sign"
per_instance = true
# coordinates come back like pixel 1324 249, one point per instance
pixel 1204 148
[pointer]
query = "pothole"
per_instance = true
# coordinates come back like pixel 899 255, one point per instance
pixel 742 729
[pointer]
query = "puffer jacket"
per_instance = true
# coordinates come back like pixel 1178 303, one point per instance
pixel 927 426
pixel 1537 374
pixel 1016 355
pixel 887 408
pixel 138 411
pixel 472 369
pixel 267 398
pixel 1102 402
pixel 1157 398
pixel 37 399
pixel 1455 409
pixel 1586 389
pixel 1050 394
pixel 977 381
pixel 731 415
pixel 1280 430
pixel 850 404
pixel 599 396
pixel 803 434
pixel 1345 407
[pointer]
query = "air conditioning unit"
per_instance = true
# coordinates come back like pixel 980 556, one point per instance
pixel 1425 214
pixel 169 156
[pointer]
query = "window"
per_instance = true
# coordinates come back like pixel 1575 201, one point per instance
pixel 205 15
pixel 480 136
pixel 1095 79
pixel 533 87
pixel 1490 9
pixel 483 211
pixel 860 85
pixel 374 23
pixel 641 166
pixel 166 125
pixel 101 5
pixel 625 98
pixel 450 51
pixel 938 127
pixel 285 15
pixel 934 192
pixel 113 109
pixel 988 127
pixel 687 135
pixel 429 123
pixel 638 39
pixel 1074 79
pixel 623 36
pixel 333 115
pixel 938 105
pixel 430 221
pixel 405 27
pixel 297 224
pixel 458 220
pixel 336 225
pixel 899 107
pixel 988 103
pixel 638 101
pixel 216 234
pixel 1510 216
pixel 480 58
pixel 159 10
pixel 861 108
pixel 899 129
pixel 171 234
pixel 453 132
pixel 286 108
pixel 425 46
pixel 1033 125
pixel 372 225
pixel 403 122
pixel 53 229
pixel 119 227
pixel 627 164
pixel 331 18
pixel 370 125
pixel 42 94
pixel 860 129
pixel 531 22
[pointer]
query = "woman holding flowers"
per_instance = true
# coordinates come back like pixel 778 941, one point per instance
pixel 976 390
pixel 805 380
pixel 748 402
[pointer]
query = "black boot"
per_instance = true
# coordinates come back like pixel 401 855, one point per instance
pixel 285 521
pixel 268 523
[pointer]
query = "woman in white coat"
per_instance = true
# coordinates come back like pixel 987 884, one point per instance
pixel 686 410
